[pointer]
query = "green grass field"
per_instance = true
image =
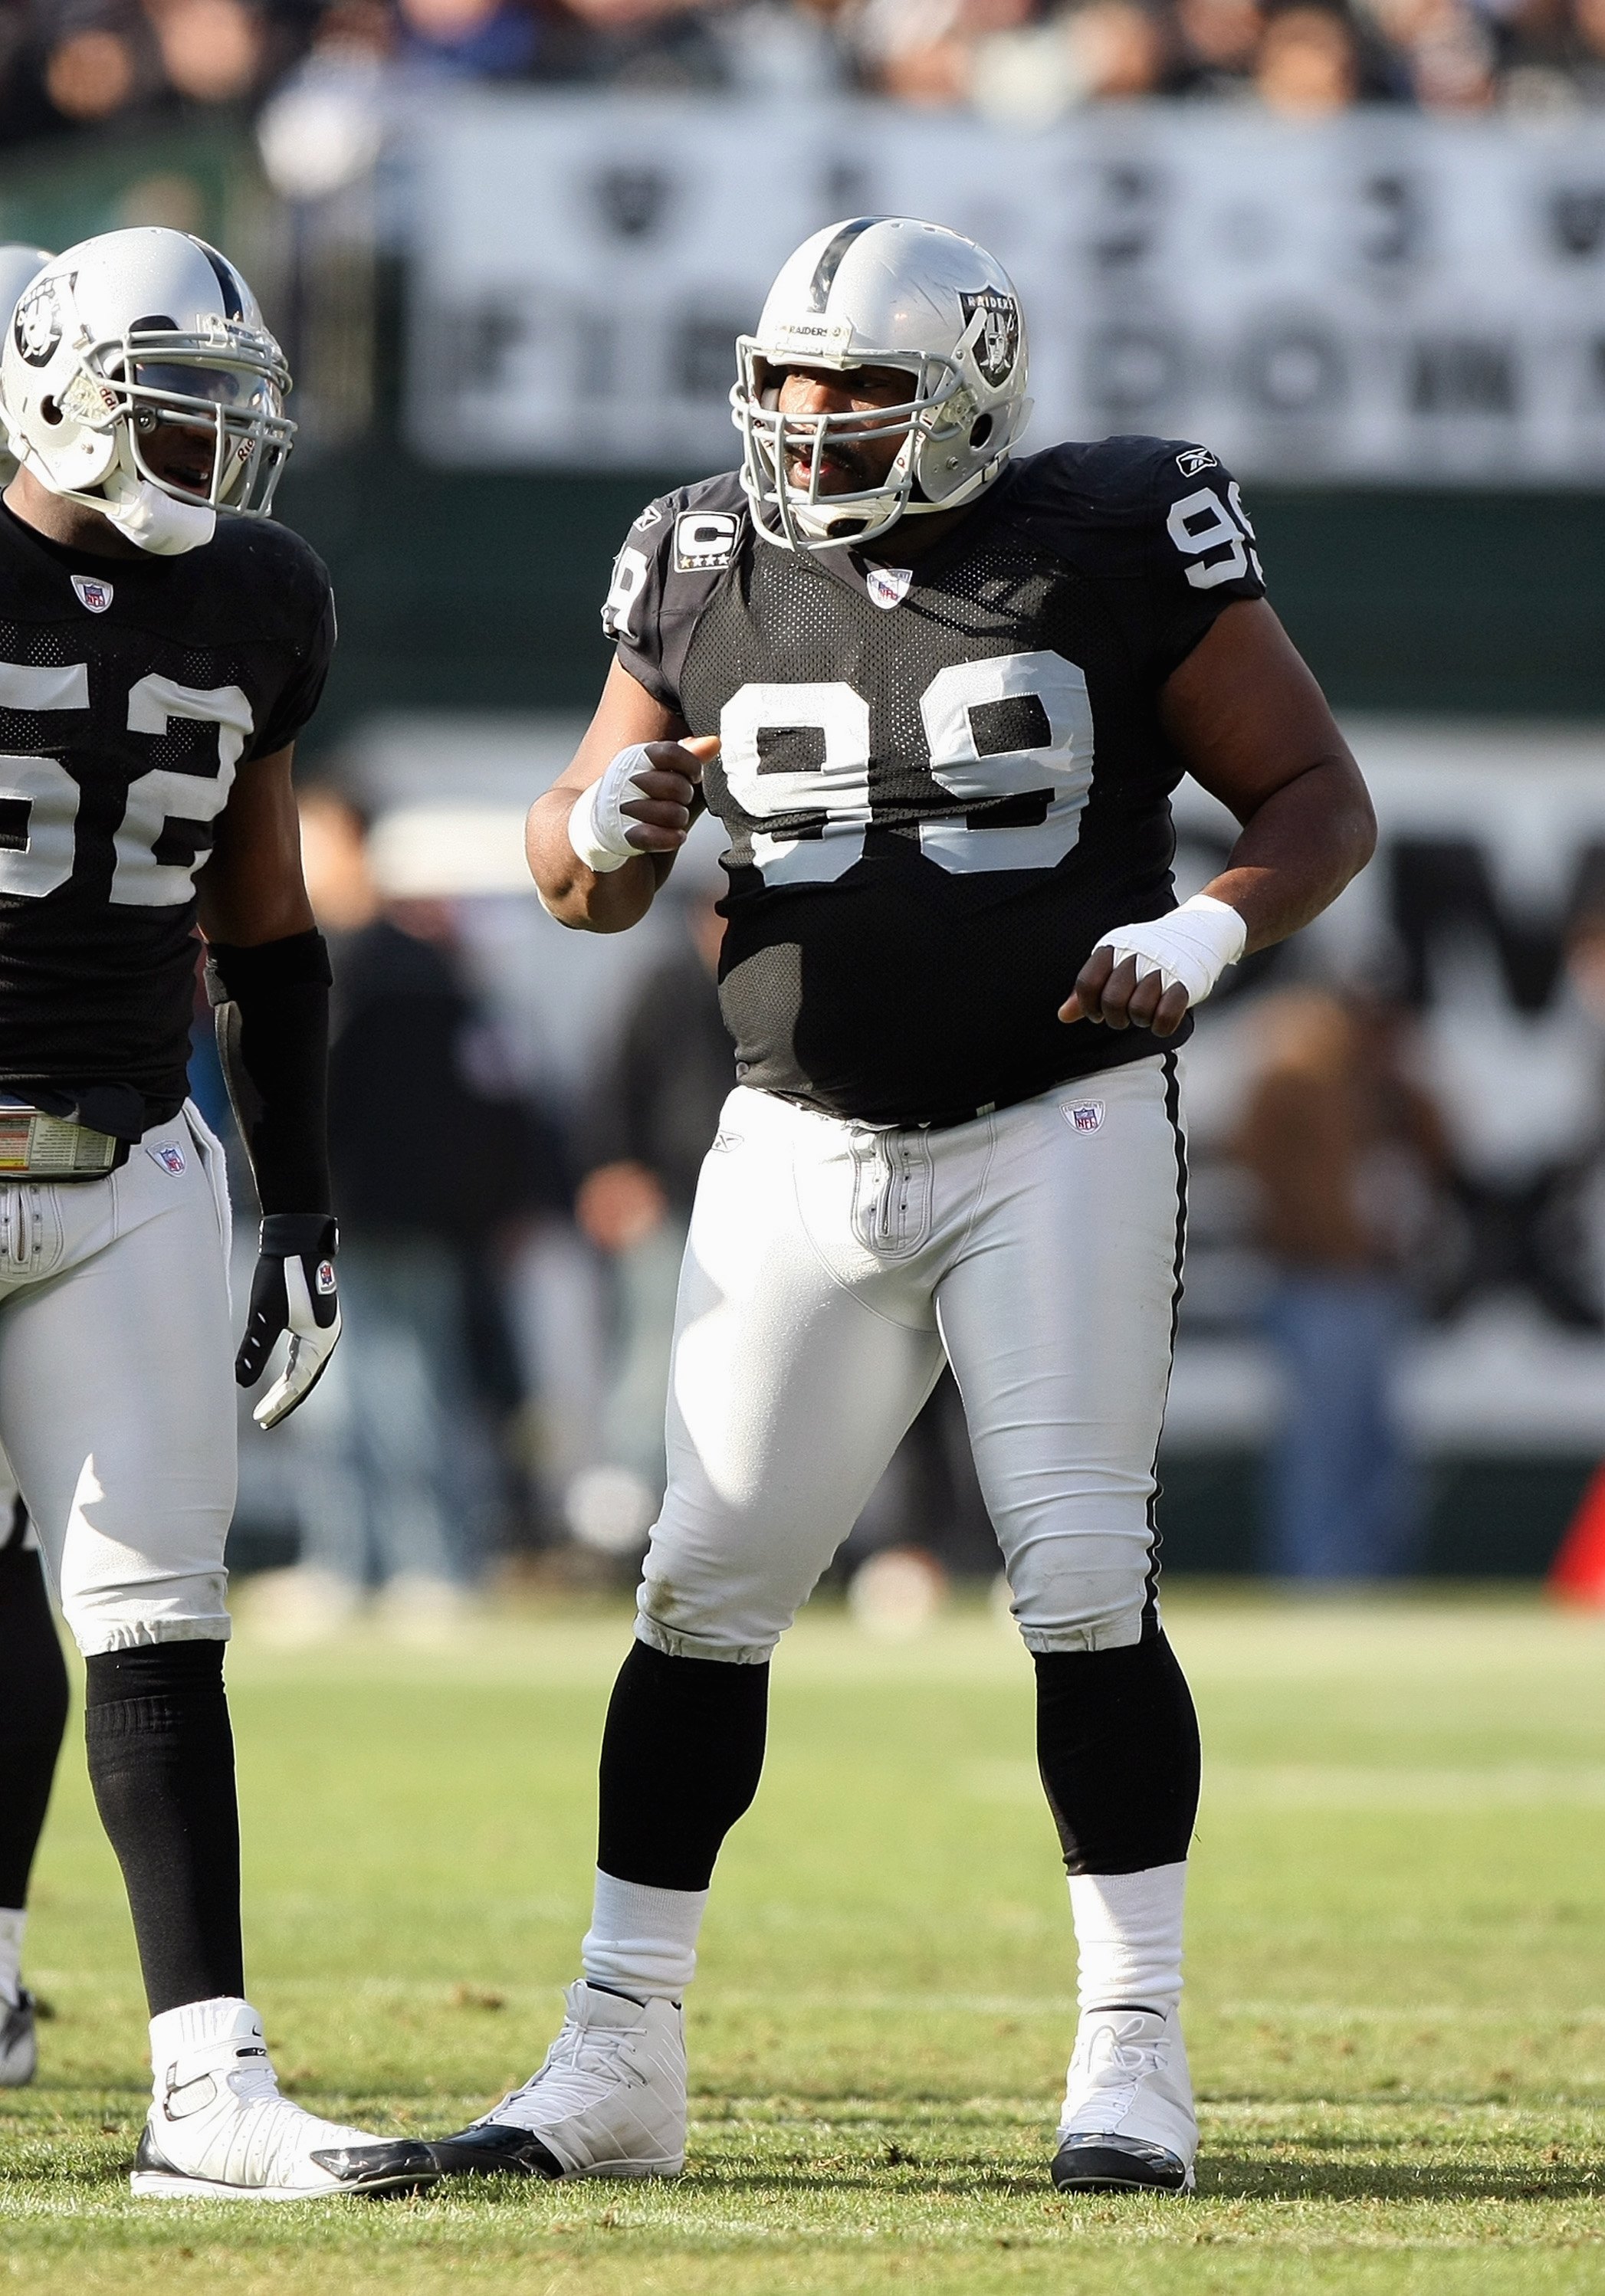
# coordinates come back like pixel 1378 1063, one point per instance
pixel 1397 1972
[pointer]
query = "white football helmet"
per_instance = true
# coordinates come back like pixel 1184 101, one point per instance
pixel 126 331
pixel 18 265
pixel 883 291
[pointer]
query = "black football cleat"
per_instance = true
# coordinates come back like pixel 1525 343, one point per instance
pixel 402 2165
pixel 494 2149
pixel 1117 2164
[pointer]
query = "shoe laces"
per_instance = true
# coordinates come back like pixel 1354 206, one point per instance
pixel 1107 2078
pixel 581 2065
pixel 1122 2060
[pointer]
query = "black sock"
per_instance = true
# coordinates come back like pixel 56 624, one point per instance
pixel 33 1715
pixel 1117 1744
pixel 681 1757
pixel 161 1763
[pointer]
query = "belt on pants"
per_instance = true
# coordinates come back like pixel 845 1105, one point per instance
pixel 36 1146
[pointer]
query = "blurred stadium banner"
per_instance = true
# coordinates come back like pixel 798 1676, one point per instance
pixel 1483 915
pixel 1382 298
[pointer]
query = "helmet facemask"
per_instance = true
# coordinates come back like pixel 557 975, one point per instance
pixel 805 517
pixel 229 381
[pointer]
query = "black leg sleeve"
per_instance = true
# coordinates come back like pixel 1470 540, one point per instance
pixel 161 1763
pixel 1117 1744
pixel 681 1757
pixel 33 1715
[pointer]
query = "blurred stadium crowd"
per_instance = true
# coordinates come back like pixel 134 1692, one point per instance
pixel 68 66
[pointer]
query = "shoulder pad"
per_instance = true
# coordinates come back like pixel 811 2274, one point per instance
pixel 1110 481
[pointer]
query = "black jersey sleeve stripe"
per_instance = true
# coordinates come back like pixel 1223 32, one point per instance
pixel 830 262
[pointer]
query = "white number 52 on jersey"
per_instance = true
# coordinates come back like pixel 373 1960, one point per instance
pixel 163 836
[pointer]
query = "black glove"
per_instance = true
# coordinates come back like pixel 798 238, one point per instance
pixel 294 1290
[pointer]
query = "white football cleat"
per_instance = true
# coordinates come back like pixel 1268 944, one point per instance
pixel 18 2046
pixel 1128 2123
pixel 218 2130
pixel 610 2100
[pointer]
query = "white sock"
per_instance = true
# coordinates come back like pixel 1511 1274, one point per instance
pixel 13 1920
pixel 642 1942
pixel 1128 1932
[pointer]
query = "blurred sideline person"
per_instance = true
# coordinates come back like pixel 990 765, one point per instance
pixel 938 698
pixel 33 1673
pixel 1347 1152
pixel 392 1463
pixel 644 1131
pixel 168 643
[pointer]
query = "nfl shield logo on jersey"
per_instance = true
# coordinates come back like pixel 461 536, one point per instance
pixel 1087 1115
pixel 888 585
pixel 92 593
pixel 168 1155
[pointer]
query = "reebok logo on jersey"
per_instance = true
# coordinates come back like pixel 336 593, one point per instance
pixel 888 585
pixel 92 591
pixel 168 1155
pixel 1194 460
pixel 704 540
pixel 1085 1116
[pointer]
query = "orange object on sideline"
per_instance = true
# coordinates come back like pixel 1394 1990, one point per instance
pixel 1577 1573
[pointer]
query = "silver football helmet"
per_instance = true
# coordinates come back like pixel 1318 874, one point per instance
pixel 882 290
pixel 18 265
pixel 129 331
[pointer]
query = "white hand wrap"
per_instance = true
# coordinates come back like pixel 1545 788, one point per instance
pixel 1189 948
pixel 595 826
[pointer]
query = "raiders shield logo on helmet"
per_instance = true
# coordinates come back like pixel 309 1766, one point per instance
pixel 37 324
pixel 997 343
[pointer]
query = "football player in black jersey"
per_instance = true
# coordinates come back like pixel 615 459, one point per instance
pixel 161 643
pixel 33 1675
pixel 938 695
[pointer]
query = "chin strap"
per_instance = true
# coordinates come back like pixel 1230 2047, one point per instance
pixel 155 520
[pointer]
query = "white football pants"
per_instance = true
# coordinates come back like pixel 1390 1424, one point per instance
pixel 829 1268
pixel 117 1394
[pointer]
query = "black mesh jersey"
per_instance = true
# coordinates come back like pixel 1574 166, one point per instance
pixel 942 784
pixel 132 692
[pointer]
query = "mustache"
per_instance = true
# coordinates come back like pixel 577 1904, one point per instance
pixel 799 456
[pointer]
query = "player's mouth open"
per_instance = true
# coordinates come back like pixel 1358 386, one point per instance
pixel 837 467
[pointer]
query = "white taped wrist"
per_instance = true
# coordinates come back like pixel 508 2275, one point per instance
pixel 597 826
pixel 1189 948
